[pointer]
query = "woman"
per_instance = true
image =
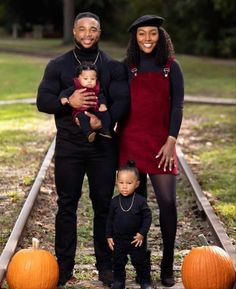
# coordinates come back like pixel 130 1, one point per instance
pixel 149 133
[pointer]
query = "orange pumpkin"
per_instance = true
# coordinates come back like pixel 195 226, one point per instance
pixel 32 268
pixel 208 267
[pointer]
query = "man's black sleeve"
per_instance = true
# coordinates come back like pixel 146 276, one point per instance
pixel 109 224
pixel 49 89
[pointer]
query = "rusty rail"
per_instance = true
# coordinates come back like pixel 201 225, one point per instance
pixel 13 240
pixel 201 199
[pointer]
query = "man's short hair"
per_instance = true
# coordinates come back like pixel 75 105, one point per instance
pixel 87 14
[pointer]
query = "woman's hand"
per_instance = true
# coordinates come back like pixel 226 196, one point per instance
pixel 110 243
pixel 138 240
pixel 81 99
pixel 166 154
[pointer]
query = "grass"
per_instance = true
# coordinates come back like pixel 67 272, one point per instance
pixel 203 76
pixel 209 77
pixel 20 76
pixel 21 125
pixel 214 136
pixel 24 136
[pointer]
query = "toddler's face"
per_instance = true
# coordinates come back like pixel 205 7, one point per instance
pixel 126 182
pixel 88 78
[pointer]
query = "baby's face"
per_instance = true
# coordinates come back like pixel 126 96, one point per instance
pixel 88 78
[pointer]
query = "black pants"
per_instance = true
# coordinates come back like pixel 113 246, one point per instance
pixel 165 190
pixel 140 259
pixel 72 162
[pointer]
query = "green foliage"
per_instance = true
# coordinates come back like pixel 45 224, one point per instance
pixel 227 7
pixel 202 26
pixel 199 27
pixel 2 12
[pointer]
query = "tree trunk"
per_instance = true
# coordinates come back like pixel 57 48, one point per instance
pixel 68 13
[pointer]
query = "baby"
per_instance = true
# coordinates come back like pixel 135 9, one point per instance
pixel 86 77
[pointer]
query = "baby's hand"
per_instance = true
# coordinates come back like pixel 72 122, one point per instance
pixel 102 107
pixel 110 243
pixel 138 240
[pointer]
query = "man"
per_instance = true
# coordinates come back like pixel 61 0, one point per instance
pixel 74 155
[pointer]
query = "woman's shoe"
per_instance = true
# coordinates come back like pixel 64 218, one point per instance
pixel 106 276
pixel 168 281
pixel 118 285
pixel 69 279
pixel 146 286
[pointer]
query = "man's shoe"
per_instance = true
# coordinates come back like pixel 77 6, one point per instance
pixel 118 285
pixel 91 136
pixel 106 134
pixel 146 286
pixel 106 276
pixel 137 280
pixel 168 281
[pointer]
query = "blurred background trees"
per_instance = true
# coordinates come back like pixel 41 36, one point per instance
pixel 197 27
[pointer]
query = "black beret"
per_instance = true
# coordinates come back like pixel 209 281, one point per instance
pixel 146 20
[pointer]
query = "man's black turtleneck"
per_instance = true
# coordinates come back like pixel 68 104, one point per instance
pixel 86 54
pixel 59 75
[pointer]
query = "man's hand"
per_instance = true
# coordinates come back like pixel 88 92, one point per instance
pixel 82 100
pixel 110 243
pixel 138 240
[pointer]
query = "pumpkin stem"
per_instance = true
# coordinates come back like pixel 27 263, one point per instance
pixel 203 240
pixel 35 243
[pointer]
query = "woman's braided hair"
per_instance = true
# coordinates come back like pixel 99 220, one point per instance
pixel 164 49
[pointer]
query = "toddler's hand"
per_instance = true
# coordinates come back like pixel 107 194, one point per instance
pixel 138 240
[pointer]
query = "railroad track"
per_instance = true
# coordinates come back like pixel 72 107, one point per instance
pixel 200 219
pixel 209 225
pixel 187 98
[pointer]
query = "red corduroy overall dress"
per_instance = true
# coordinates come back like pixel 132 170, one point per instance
pixel 145 131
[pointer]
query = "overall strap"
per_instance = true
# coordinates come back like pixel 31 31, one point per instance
pixel 134 70
pixel 166 69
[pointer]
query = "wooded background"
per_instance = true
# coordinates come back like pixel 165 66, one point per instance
pixel 197 27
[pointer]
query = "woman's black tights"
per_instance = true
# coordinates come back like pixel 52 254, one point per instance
pixel 165 190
